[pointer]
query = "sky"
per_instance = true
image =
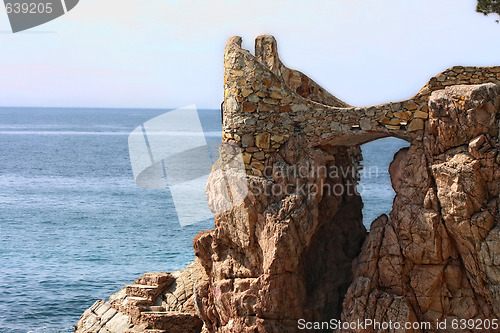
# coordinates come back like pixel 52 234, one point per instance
pixel 168 54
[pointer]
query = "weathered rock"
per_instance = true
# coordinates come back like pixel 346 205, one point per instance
pixel 156 301
pixel 265 257
pixel 433 256
pixel 295 247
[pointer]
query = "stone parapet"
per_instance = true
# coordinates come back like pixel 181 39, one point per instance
pixel 265 103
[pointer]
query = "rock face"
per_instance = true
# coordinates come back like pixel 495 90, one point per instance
pixel 295 248
pixel 286 252
pixel 437 256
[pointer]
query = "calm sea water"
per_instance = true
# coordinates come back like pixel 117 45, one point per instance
pixel 74 227
pixel 375 184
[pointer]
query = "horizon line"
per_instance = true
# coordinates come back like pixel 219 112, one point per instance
pixel 100 107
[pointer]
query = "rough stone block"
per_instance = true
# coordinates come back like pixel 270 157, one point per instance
pixel 416 125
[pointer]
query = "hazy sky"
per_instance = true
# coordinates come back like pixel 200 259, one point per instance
pixel 168 54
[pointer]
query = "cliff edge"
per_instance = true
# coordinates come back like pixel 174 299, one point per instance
pixel 295 252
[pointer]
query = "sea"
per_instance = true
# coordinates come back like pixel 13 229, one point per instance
pixel 75 227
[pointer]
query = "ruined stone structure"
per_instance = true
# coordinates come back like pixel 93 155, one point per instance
pixel 281 256
pixel 266 103
pixel 156 302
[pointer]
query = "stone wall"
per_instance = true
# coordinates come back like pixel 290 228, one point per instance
pixel 265 103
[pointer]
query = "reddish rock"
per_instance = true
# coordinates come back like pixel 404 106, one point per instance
pixel 278 258
pixel 287 252
pixel 157 302
pixel 432 258
pixel 295 247
pixel 248 107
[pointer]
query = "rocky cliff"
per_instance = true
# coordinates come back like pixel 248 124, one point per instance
pixel 436 257
pixel 295 252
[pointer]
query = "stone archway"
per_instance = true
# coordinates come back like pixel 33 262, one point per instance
pixel 276 258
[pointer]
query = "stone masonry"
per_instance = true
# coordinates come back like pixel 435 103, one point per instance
pixel 265 103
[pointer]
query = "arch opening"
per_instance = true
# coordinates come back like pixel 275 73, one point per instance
pixel 375 185
pixel 356 138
